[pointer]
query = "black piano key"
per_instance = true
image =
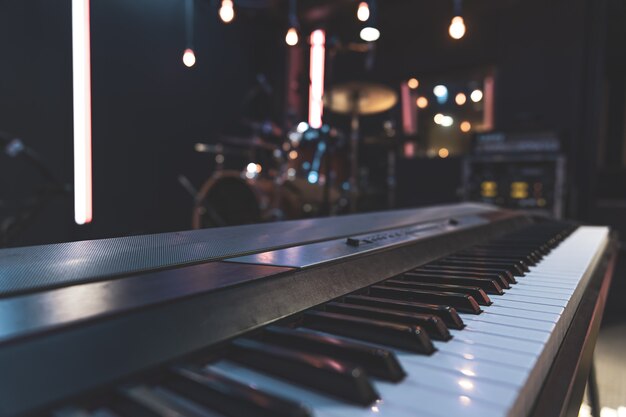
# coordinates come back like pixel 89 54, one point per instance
pixel 402 336
pixel 435 327
pixel 340 379
pixel 378 362
pixel 446 313
pixel 142 401
pixel 524 259
pixel 84 412
pixel 521 265
pixel 504 266
pixel 229 397
pixel 490 286
pixel 508 277
pixel 531 257
pixel 477 293
pixel 462 302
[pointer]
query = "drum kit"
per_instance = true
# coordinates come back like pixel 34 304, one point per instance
pixel 305 172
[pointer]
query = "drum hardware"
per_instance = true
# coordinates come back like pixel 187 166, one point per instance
pixel 307 172
pixel 358 99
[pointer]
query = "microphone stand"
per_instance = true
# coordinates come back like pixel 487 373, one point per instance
pixel 12 226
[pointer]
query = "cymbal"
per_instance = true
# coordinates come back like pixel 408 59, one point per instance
pixel 364 98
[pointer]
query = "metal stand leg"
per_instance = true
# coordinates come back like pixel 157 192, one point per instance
pixel 592 386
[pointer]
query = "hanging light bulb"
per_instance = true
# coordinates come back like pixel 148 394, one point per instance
pixel 363 12
pixel 291 38
pixel 189 58
pixel 370 32
pixel 457 28
pixel 227 11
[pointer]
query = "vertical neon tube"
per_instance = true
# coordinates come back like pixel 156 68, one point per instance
pixel 488 97
pixel 409 110
pixel 316 72
pixel 81 64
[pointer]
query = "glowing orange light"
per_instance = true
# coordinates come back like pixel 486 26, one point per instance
pixel 227 11
pixel 443 153
pixel 413 83
pixel 422 102
pixel 363 12
pixel 293 154
pixel 460 99
pixel 466 127
pixel 291 38
pixel 457 28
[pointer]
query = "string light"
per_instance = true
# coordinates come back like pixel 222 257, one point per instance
pixel 443 153
pixel 413 83
pixel 370 32
pixel 292 38
pixel 422 102
pixel 476 96
pixel 363 12
pixel 460 99
pixel 465 126
pixel 189 57
pixel 227 11
pixel 457 26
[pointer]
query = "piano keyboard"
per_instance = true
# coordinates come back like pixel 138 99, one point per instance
pixel 473 333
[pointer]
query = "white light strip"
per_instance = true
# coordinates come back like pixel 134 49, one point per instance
pixel 81 58
pixel 316 72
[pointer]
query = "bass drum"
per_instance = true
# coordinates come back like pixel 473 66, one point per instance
pixel 228 199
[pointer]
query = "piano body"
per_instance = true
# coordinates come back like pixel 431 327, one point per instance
pixel 442 311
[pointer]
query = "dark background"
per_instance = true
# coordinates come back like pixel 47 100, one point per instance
pixel 559 65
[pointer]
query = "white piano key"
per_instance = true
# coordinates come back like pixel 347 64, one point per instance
pixel 517 345
pixel 516 312
pixel 487 354
pixel 503 302
pixel 436 402
pixel 512 322
pixel 323 406
pixel 420 376
pixel 550 295
pixel 540 286
pixel 463 368
pixel 504 330
pixel 551 284
pixel 536 300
